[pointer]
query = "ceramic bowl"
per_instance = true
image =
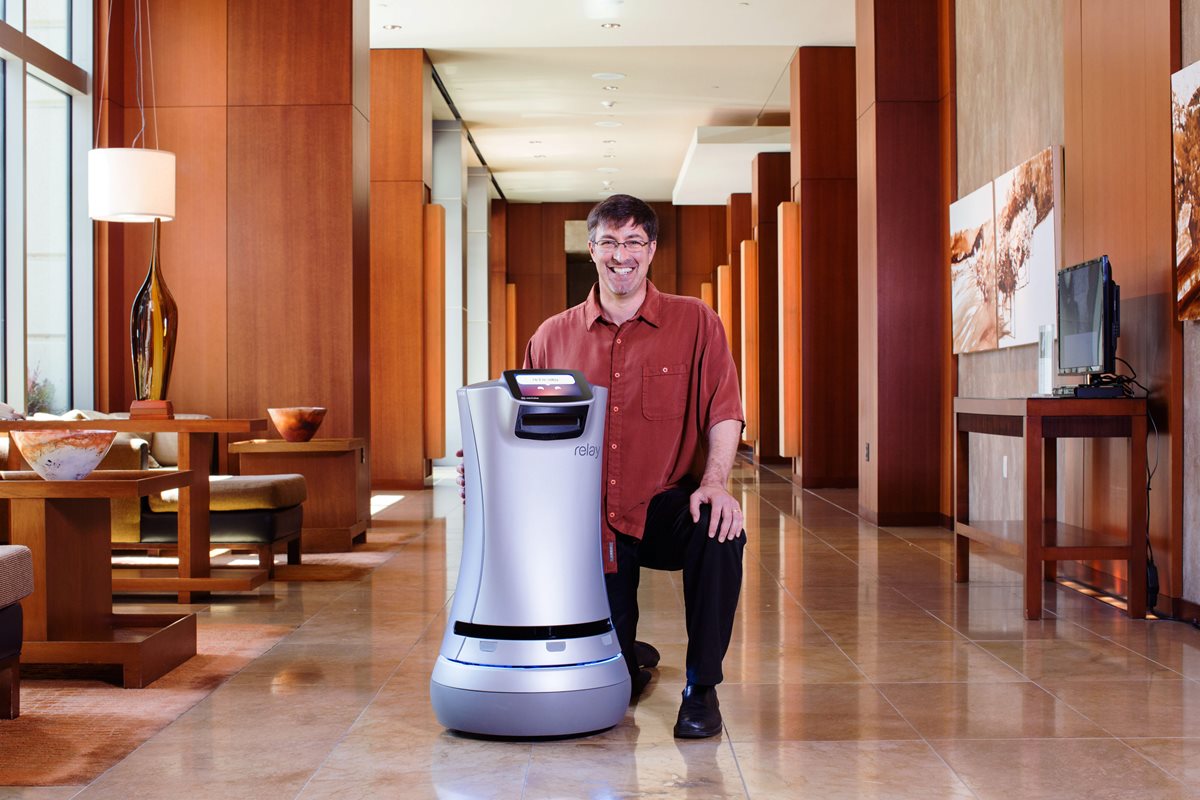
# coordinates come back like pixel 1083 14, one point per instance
pixel 60 455
pixel 297 423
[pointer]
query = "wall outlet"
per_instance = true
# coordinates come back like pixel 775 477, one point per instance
pixel 1004 466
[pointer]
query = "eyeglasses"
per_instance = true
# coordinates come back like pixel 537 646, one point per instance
pixel 609 246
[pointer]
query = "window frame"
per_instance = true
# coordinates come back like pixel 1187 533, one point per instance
pixel 24 56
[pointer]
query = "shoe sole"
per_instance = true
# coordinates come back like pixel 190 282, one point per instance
pixel 697 734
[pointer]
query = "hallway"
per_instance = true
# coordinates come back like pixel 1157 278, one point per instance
pixel 858 669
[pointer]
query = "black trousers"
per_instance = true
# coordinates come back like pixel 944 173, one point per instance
pixel 712 581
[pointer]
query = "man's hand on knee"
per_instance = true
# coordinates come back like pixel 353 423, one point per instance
pixel 725 518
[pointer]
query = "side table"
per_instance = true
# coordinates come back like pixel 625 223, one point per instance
pixel 338 509
pixel 1039 422
pixel 69 618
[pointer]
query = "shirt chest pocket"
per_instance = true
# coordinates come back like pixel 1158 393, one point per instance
pixel 664 391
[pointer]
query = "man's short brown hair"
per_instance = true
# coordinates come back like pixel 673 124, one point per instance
pixel 620 209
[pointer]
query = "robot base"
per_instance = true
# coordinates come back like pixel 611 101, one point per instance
pixel 520 707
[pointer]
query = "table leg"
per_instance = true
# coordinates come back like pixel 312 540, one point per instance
pixel 962 505
pixel 1050 503
pixel 195 454
pixel 1034 528
pixel 1137 517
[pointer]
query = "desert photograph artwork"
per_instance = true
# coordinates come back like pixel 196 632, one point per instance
pixel 972 272
pixel 1026 253
pixel 1185 149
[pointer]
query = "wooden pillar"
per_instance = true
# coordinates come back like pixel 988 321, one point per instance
pixel 401 171
pixel 737 230
pixel 901 273
pixel 770 188
pixel 497 268
pixel 823 183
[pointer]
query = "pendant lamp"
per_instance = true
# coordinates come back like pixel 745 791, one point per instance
pixel 137 185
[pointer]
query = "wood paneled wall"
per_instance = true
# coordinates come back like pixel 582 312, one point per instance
pixel 771 186
pixel 404 384
pixel 497 278
pixel 267 256
pixel 1118 58
pixel 900 269
pixel 823 183
pixel 691 244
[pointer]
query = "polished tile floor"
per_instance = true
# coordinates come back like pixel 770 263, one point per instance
pixel 858 670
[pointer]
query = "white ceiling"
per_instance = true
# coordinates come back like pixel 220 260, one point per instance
pixel 520 74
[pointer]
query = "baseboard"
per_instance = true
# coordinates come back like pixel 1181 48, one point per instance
pixel 1184 609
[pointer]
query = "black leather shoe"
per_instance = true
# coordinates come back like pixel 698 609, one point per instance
pixel 699 713
pixel 646 654
pixel 639 682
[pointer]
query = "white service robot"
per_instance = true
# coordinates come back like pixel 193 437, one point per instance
pixel 530 648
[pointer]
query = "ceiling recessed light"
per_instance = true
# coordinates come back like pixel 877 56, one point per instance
pixel 610 155
pixel 535 141
pixel 608 103
pixel 607 169
pixel 610 25
pixel 392 27
pixel 608 123
pixel 611 88
pixel 539 155
pixel 608 76
pixel 608 141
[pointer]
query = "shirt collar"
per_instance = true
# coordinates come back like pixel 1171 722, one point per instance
pixel 651 310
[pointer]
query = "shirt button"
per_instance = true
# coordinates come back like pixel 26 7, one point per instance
pixel 612 482
pixel 664 369
pixel 611 515
pixel 613 445
pixel 616 374
pixel 615 409
pixel 618 341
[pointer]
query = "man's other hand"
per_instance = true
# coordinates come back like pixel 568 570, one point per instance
pixel 725 520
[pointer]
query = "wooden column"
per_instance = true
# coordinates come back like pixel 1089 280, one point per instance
pixel 497 267
pixel 823 183
pixel 901 274
pixel 770 188
pixel 737 230
pixel 402 293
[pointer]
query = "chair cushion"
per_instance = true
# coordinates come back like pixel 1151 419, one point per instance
pixel 261 526
pixel 16 573
pixel 241 493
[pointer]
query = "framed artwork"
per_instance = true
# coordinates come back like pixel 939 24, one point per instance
pixel 1185 156
pixel 973 272
pixel 1004 256
pixel 1026 248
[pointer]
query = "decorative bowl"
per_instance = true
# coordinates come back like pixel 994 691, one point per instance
pixel 62 455
pixel 297 423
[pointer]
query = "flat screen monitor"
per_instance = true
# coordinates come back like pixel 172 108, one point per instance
pixel 548 385
pixel 1089 319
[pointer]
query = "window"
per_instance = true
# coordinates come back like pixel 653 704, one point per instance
pixel 46 258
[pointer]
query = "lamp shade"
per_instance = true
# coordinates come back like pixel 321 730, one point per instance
pixel 131 184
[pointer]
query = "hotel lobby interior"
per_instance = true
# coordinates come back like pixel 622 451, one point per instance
pixel 954 584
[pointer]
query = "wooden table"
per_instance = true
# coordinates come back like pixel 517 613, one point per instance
pixel 194 579
pixel 1040 422
pixel 69 618
pixel 338 509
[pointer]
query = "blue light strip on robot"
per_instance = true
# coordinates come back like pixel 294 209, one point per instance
pixel 610 659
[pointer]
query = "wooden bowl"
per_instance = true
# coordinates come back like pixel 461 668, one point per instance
pixel 297 423
pixel 63 455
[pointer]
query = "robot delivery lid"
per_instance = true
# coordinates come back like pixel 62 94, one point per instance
pixel 548 385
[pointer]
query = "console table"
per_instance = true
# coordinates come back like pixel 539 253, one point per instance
pixel 194 579
pixel 69 617
pixel 338 509
pixel 1040 421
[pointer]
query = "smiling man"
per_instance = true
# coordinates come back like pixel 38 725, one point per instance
pixel 673 424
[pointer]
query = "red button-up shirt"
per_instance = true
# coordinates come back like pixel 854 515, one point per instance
pixel 670 378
